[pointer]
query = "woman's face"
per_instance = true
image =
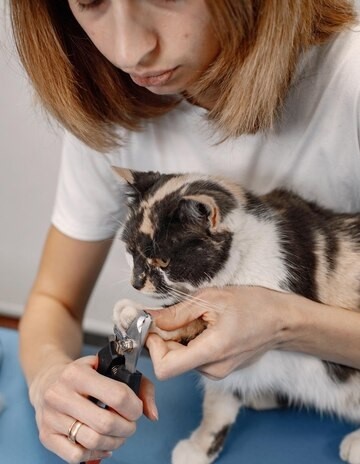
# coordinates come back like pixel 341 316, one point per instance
pixel 164 45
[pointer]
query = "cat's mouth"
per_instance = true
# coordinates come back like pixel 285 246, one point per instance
pixel 174 293
pixel 157 284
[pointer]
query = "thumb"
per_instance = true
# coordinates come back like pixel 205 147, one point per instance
pixel 147 396
pixel 177 316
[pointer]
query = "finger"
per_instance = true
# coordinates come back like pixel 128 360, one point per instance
pixel 147 395
pixel 171 358
pixel 103 421
pixel 71 452
pixel 217 370
pixel 118 397
pixel 225 366
pixel 85 436
pixel 170 344
pixel 93 441
pixel 106 422
pixel 81 377
pixel 178 315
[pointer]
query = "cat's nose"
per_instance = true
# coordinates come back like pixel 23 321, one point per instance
pixel 138 281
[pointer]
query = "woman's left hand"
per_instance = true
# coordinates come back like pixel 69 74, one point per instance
pixel 242 324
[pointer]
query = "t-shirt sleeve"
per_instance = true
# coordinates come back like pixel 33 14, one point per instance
pixel 89 202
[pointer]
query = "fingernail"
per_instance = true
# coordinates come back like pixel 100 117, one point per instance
pixel 155 413
pixel 107 454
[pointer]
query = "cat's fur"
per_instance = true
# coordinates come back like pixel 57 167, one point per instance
pixel 186 232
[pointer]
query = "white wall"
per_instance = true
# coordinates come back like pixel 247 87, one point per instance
pixel 29 160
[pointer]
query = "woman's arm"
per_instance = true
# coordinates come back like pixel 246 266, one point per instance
pixel 50 341
pixel 245 322
pixel 51 324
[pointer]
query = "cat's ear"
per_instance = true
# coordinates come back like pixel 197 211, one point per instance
pixel 125 174
pixel 201 209
pixel 139 181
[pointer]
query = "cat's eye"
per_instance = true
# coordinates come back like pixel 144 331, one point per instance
pixel 158 262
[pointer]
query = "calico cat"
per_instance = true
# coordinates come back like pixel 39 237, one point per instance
pixel 186 232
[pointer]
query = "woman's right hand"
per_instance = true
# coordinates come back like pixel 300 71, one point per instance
pixel 60 396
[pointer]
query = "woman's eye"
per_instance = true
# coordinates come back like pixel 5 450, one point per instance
pixel 84 5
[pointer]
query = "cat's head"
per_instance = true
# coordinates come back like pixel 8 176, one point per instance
pixel 175 233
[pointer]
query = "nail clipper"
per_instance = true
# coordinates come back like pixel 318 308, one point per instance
pixel 119 357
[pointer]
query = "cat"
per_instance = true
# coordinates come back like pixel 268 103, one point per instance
pixel 185 232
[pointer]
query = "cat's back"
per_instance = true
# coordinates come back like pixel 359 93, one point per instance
pixel 321 246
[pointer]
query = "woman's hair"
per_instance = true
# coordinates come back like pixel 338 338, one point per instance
pixel 260 44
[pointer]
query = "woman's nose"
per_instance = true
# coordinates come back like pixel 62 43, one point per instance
pixel 135 38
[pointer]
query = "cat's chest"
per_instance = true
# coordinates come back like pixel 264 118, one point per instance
pixel 301 378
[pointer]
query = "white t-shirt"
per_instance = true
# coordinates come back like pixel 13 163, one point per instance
pixel 314 150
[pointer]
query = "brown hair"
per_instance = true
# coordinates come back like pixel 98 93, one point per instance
pixel 260 41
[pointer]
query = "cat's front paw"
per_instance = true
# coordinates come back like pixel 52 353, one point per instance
pixel 188 452
pixel 350 448
pixel 124 313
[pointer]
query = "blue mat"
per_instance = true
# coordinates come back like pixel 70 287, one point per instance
pixel 271 437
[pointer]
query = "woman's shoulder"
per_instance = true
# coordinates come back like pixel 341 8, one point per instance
pixel 341 55
pixel 333 69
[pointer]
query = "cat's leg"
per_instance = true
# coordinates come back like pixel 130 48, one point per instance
pixel 350 448
pixel 266 401
pixel 183 335
pixel 125 311
pixel 220 409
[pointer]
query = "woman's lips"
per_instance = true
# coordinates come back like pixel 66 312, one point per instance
pixel 153 80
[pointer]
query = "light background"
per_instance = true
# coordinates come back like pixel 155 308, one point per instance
pixel 29 160
pixel 30 147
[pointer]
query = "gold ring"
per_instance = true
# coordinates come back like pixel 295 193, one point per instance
pixel 73 430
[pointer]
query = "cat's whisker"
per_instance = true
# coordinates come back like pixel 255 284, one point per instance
pixel 118 221
pixel 123 269
pixel 117 282
pixel 192 298
pixel 203 303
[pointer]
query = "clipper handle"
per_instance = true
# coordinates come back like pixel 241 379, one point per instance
pixel 112 365
pixel 132 379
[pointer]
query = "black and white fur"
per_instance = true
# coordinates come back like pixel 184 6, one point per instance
pixel 186 232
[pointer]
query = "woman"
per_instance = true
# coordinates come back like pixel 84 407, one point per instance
pixel 265 92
